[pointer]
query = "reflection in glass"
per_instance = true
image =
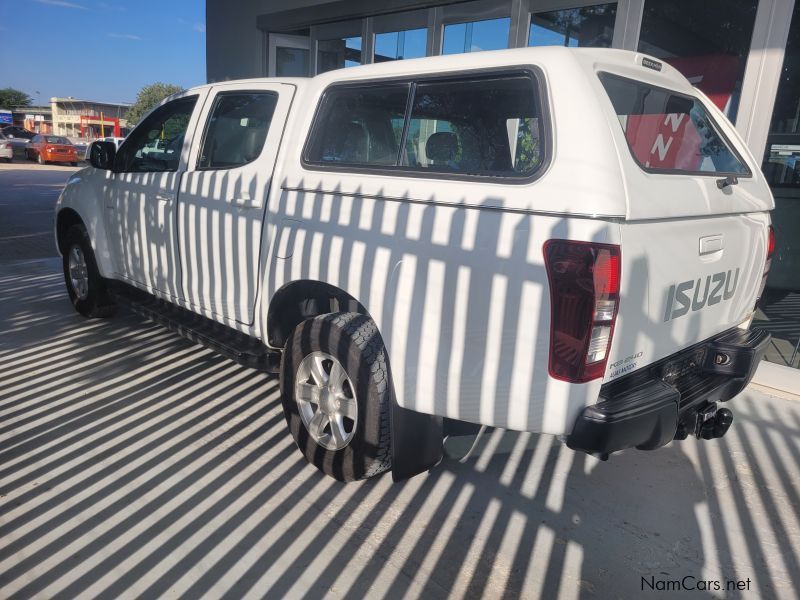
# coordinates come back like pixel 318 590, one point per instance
pixel 360 126
pixel 491 34
pixel 706 41
pixel 589 26
pixel 291 62
pixel 338 53
pixel 474 127
pixel 669 132
pixel 782 164
pixel 397 45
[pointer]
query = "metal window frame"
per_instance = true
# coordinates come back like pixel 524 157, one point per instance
pixel 285 40
pixel 763 72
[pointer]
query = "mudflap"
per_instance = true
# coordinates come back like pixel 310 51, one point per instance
pixel 416 442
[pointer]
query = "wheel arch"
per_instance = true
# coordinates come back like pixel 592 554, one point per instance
pixel 66 218
pixel 416 437
pixel 303 299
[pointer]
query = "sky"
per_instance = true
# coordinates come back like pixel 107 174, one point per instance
pixel 98 50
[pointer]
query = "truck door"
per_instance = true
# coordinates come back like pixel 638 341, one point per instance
pixel 141 200
pixel 223 196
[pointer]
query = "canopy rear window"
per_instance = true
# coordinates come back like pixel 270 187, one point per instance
pixel 471 125
pixel 668 132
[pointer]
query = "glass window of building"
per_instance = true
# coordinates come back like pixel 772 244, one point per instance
pixel 291 62
pixel 338 53
pixel 779 309
pixel 588 26
pixel 706 41
pixel 397 45
pixel 782 164
pixel 491 34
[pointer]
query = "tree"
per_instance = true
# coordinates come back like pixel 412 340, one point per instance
pixel 9 97
pixel 147 98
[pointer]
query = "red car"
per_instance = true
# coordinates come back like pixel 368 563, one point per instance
pixel 51 148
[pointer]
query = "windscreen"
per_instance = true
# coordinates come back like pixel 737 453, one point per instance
pixel 670 132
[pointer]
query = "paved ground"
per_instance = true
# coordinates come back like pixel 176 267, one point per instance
pixel 782 320
pixel 134 464
pixel 28 193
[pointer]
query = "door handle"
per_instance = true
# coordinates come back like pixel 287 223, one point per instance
pixel 244 201
pixel 710 244
pixel 165 197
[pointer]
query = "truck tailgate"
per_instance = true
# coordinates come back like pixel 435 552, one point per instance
pixel 683 281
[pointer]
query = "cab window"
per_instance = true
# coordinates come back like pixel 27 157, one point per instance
pixel 155 145
pixel 237 129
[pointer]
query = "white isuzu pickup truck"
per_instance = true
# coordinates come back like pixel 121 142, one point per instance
pixel 555 240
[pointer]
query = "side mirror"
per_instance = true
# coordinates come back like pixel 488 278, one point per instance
pixel 101 155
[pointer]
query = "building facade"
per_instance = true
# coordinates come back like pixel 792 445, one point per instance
pixel 38 119
pixel 744 54
pixel 88 119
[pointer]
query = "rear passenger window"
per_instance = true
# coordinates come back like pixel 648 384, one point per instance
pixel 476 126
pixel 360 126
pixel 237 129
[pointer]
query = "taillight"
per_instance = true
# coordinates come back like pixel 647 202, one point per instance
pixel 584 298
pixel 771 243
pixel 768 263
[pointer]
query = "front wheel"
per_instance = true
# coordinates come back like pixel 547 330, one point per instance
pixel 337 395
pixel 84 284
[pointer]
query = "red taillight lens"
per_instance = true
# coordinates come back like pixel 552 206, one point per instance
pixel 767 264
pixel 584 297
pixel 771 242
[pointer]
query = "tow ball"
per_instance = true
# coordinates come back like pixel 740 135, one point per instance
pixel 710 423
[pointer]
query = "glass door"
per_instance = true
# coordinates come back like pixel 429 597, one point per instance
pixel 779 312
pixel 288 55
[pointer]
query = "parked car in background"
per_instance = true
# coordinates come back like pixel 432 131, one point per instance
pixel 52 148
pixel 115 140
pixel 6 150
pixel 18 138
pixel 15 132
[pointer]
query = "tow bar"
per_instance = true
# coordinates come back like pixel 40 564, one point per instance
pixel 710 423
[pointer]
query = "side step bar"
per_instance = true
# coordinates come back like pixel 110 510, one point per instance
pixel 237 346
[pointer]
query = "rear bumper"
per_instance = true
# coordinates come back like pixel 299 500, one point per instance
pixel 671 398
